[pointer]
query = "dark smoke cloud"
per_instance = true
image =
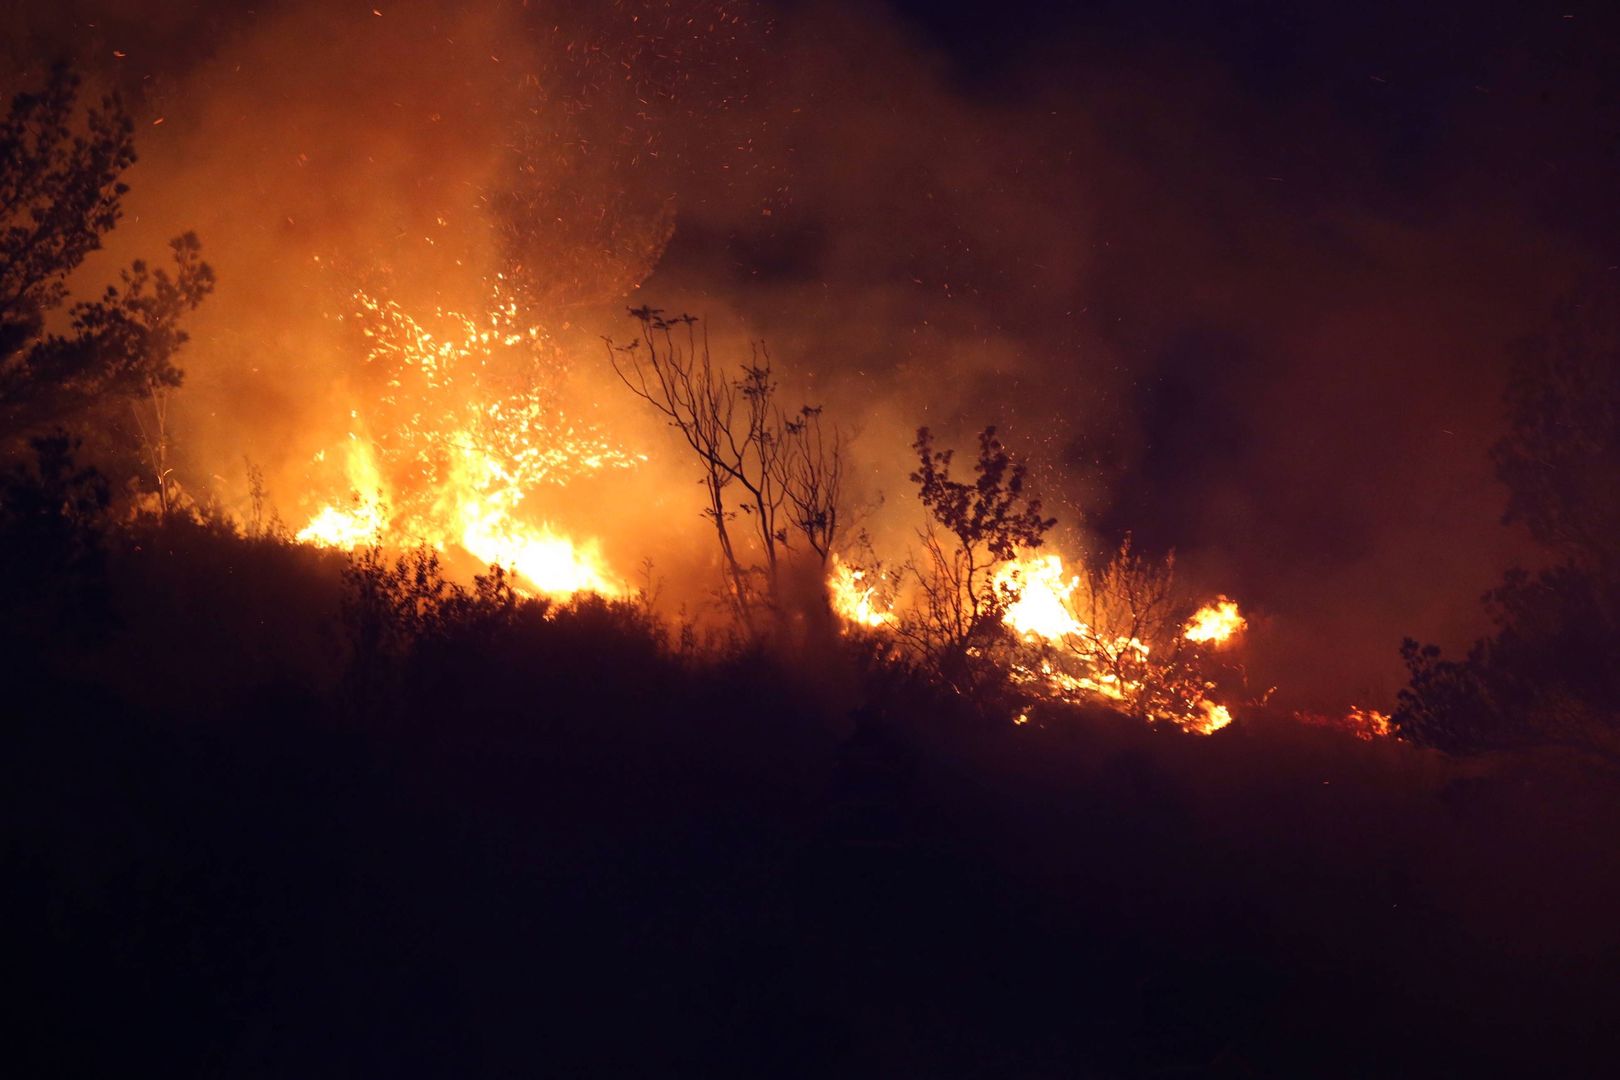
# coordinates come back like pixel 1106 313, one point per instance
pixel 1247 282
pixel 1242 282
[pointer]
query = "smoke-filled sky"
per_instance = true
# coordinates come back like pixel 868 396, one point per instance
pixel 1243 279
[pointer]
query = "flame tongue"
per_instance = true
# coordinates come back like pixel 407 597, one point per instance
pixel 1215 622
pixel 470 425
pixel 361 521
pixel 1041 597
pixel 855 598
pixel 553 564
pixel 1067 658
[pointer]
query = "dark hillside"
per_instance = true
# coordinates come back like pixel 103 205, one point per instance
pixel 535 840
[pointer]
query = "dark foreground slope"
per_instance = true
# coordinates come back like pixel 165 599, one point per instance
pixel 536 845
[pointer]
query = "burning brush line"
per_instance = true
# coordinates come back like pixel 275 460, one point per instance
pixel 1068 647
pixel 469 424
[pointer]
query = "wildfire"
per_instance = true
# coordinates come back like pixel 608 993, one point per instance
pixel 361 521
pixel 1360 721
pixel 348 529
pixel 1080 641
pixel 1215 717
pixel 1368 724
pixel 1040 597
pixel 468 427
pixel 1105 655
pixel 854 600
pixel 1216 622
pixel 552 563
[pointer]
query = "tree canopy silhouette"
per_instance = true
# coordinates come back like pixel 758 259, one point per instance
pixel 973 528
pixel 1560 458
pixel 60 193
pixel 1548 673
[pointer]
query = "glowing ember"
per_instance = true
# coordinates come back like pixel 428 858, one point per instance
pixel 468 427
pixel 1368 724
pixel 1215 717
pixel 854 599
pixel 1215 623
pixel 1363 723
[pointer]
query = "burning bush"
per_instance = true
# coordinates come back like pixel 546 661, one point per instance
pixel 992 619
pixel 956 623
pixel 468 425
pixel 1121 632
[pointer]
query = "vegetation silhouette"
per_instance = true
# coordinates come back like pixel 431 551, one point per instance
pixel 268 810
pixel 973 528
pixel 1548 674
pixel 60 193
pixel 296 812
pixel 780 471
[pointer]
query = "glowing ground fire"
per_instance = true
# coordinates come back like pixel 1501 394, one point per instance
pixel 1073 646
pixel 854 598
pixel 1215 622
pixel 1104 655
pixel 467 428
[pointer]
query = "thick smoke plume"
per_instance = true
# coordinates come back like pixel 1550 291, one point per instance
pixel 1197 323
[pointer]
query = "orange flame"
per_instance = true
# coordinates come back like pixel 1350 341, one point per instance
pixel 1042 605
pixel 1102 661
pixel 1216 622
pixel 1041 597
pixel 469 427
pixel 1214 718
pixel 360 522
pixel 854 599
pixel 1360 721
pixel 1368 724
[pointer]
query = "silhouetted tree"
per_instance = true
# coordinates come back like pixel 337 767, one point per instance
pixel 974 527
pixel 1560 459
pixel 781 470
pixel 60 193
pixel 1130 619
pixel 1549 672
